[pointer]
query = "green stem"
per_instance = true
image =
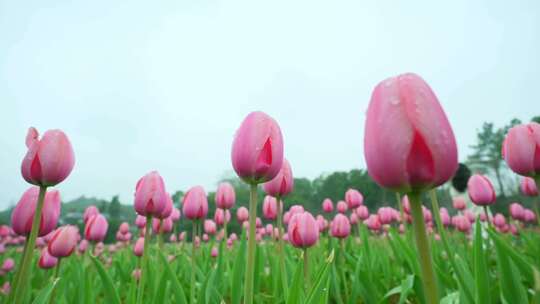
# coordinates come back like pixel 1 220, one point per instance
pixel 342 270
pixel 160 234
pixel 449 253
pixel 306 271
pixel 193 257
pixel 537 180
pixel 486 212
pixel 144 266
pixel 281 251
pixel 422 243
pixel 401 212
pixel 56 273
pixel 21 287
pixel 248 286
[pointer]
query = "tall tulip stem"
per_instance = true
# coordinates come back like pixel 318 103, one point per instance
pixel 422 243
pixel 486 212
pixel 22 279
pixel 280 245
pixel 193 257
pixel 537 180
pixel 306 271
pixel 248 286
pixel 401 212
pixel 144 266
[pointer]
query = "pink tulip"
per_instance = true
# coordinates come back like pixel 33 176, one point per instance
pixel 386 215
pixel 327 205
pixel 214 252
pixel 136 274
pixel 362 212
pixel 517 212
pixel 23 214
pixel 340 226
pixel 529 216
pixel 406 205
pixel 173 238
pixel 354 198
pixel 150 195
pixel 89 212
pixel 225 196
pixel 513 229
pixel 195 204
pixel 499 220
pixel 46 260
pixel 528 187
pixel 182 236
pixel 8 265
pixel 162 226
pixel 353 218
pixel 373 222
pixel 242 214
pixel 210 227
pixel 481 190
pixel 167 211
pixel 445 217
pixel 257 150
pixel 469 215
pixel 221 215
pixel 96 228
pixel 138 248
pixel 462 224
pixel 521 149
pixel 63 241
pixel 124 228
pixel 286 217
pixel 321 222
pixel 408 141
pixel 175 215
pixel 459 203
pixel 303 230
pixel 270 208
pixel 269 229
pixel 282 184
pixel 49 160
pixel 483 217
pixel 83 245
pixel 341 207
pixel 296 209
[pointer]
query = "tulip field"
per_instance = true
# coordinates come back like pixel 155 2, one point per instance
pixel 422 248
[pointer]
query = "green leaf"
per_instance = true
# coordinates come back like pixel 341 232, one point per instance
pixel 481 275
pixel 320 287
pixel 238 272
pixel 297 285
pixel 179 295
pixel 159 296
pixel 111 294
pixel 44 295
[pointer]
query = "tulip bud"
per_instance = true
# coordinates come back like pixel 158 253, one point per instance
pixel 270 208
pixel 49 160
pixel 409 143
pixel 175 215
pixel 242 214
pixel 481 190
pixel 46 260
pixel 341 207
pixel 521 149
pixel 63 241
pixel 221 216
pixel 353 198
pixel 303 230
pixel 499 220
pixel 517 212
pixel 150 195
pixel 162 226
pixel 96 228
pixel 362 212
pixel 140 221
pixel 8 265
pixel 23 214
pixel 327 205
pixel 225 196
pixel 167 211
pixel 528 187
pixel 257 150
pixel 340 226
pixel 124 228
pixel 89 212
pixel 195 204
pixel 210 227
pixel 282 184
pixel 214 252
pixel 459 203
pixel 373 222
pixel 138 248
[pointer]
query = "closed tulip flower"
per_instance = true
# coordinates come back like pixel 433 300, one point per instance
pixel 408 143
pixel 282 184
pixel 167 211
pixel 353 219
pixel 340 226
pixel 150 195
pixel 499 220
pixel 162 226
pixel 341 207
pixel 517 211
pixel 445 217
pixel 521 149
pixel 63 241
pixel 386 215
pixel 8 265
pixel 22 215
pixel 124 228
pixel 49 160
pixel 96 228
pixel 175 214
pixel 195 204
pixel 257 150
pixel 459 203
pixel 46 260
pixel 353 198
pixel 225 196
pixel 270 208
pixel 89 212
pixel 528 187
pixel 210 227
pixel 462 224
pixel 481 190
pixel 296 209
pixel 221 216
pixel 373 222
pixel 138 248
pixel 327 205
pixel 214 253
pixel 242 214
pixel 140 221
pixel 303 230
pixel 362 212
pixel 529 216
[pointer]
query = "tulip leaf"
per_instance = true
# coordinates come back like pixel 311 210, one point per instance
pixel 179 295
pixel 111 294
pixel 238 272
pixel 44 295
pixel 320 286
pixel 297 285
pixel 481 275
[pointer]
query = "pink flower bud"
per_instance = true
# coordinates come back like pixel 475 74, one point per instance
pixel 499 220
pixel 528 187
pixel 517 212
pixel 362 212
pixel 481 190
pixel 124 228
pixel 167 211
pixel 270 208
pixel 214 252
pixel 221 215
pixel 282 184
pixel 386 215
pixel 49 160
pixel 8 265
pixel 353 198
pixel 530 217
pixel 341 207
pixel 303 230
pixel 210 227
pixel 408 142
pixel 162 226
pixel 327 205
pixel 257 150
pixel 63 241
pixel 195 204
pixel 175 215
pixel 46 260
pixel 242 214
pixel 521 149
pixel 225 196
pixel 138 248
pixel 140 221
pixel 150 195
pixel 373 223
pixel 89 212
pixel 459 203
pixel 340 226
pixel 96 228
pixel 23 214
pixel 83 245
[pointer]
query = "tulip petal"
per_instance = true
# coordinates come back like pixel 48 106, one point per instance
pixel 420 165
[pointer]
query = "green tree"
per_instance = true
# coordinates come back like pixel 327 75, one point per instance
pixel 114 208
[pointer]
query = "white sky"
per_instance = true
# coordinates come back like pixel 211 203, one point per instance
pixel 163 85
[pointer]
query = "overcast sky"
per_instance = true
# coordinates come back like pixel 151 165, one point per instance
pixel 163 85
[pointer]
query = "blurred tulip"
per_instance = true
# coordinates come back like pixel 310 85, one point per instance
pixel 270 208
pixel 445 217
pixel 462 224
pixel 282 184
pixel 89 212
pixel 138 248
pixel 481 190
pixel 162 226
pixel 386 215
pixel 175 215
pixel 353 218
pixel 459 203
pixel 150 195
pixel 140 221
pixel 521 149
pixel 529 216
pixel 373 222
pixel 341 207
pixel 340 226
pixel 517 212
pixel 210 227
pixel 221 215
pixel 167 211
pixel 195 205
pixel 96 228
pixel 528 187
pixel 327 205
pixel 23 213
pixel 46 260
pixel 257 150
pixel 124 228
pixel 49 160
pixel 214 252
pixel 83 245
pixel 353 198
pixel 242 214
pixel 303 230
pixel 8 265
pixel 362 212
pixel 405 115
pixel 63 241
pixel 499 220
pixel 225 196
